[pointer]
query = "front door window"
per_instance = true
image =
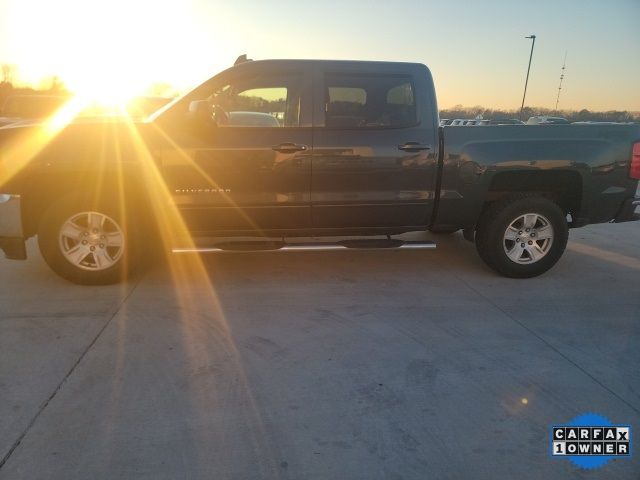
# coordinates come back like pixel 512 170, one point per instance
pixel 269 102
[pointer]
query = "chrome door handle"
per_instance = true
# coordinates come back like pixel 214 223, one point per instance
pixel 289 147
pixel 414 147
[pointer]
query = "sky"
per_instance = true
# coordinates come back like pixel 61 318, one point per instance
pixel 476 50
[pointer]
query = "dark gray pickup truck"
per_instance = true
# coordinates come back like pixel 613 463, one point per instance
pixel 294 148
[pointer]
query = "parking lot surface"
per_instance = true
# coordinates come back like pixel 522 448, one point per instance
pixel 335 365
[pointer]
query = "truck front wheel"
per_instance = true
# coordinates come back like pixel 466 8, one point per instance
pixel 86 242
pixel 522 236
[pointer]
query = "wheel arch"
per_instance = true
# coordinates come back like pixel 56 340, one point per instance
pixel 563 187
pixel 46 187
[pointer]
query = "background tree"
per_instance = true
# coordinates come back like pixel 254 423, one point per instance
pixel 8 73
pixel 583 115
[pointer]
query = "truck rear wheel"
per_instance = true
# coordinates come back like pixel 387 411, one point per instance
pixel 86 242
pixel 522 235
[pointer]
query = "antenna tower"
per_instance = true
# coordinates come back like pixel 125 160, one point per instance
pixel 564 66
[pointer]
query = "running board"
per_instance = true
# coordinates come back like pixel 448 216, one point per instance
pixel 261 246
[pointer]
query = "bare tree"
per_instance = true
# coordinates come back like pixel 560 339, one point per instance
pixel 459 111
pixel 8 72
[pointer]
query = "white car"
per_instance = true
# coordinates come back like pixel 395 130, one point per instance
pixel 252 119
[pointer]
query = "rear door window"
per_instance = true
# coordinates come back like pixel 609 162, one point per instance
pixel 369 101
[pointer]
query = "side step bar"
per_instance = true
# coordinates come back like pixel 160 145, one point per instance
pixel 262 246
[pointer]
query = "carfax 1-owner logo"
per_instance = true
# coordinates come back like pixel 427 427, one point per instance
pixel 591 441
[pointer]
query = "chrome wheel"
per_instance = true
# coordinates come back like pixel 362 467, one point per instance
pixel 528 238
pixel 91 241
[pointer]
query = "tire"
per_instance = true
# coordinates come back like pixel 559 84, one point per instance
pixel 537 223
pixel 86 241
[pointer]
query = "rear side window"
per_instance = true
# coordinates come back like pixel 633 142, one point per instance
pixel 369 101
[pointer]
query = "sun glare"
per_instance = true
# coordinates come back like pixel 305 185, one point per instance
pixel 108 52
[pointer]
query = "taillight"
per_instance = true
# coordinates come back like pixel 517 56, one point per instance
pixel 634 168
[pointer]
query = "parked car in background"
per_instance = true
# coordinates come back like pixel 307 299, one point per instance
pixel 445 121
pixel 27 108
pixel 595 122
pixel 546 120
pixel 505 121
pixel 466 122
pixel 478 122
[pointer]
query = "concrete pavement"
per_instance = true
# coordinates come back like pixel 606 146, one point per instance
pixel 343 365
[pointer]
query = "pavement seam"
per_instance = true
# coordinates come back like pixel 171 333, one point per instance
pixel 552 347
pixel 32 422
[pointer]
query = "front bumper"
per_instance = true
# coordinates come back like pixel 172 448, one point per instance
pixel 11 236
pixel 629 211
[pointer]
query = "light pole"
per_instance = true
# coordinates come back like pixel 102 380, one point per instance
pixel 533 44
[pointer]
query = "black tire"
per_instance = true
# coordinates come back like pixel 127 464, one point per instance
pixel 51 246
pixel 498 217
